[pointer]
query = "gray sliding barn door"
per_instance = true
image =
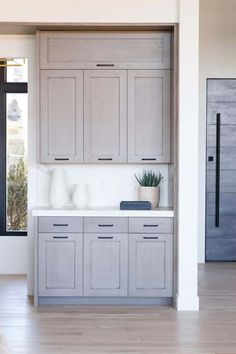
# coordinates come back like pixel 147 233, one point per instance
pixel 221 170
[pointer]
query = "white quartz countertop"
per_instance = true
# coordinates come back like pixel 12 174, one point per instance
pixel 103 211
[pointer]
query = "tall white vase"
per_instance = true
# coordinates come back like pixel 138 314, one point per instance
pixel 58 193
pixel 80 196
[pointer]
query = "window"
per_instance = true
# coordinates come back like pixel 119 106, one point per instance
pixel 13 147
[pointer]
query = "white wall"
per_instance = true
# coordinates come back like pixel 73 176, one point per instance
pixel 217 60
pixel 90 11
pixel 13 250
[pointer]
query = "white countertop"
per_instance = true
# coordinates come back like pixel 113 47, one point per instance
pixel 103 211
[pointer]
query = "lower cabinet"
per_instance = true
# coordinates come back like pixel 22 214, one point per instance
pixel 60 264
pixel 150 265
pixel 105 264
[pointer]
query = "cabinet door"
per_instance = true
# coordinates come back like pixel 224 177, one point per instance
pixel 149 116
pixel 105 264
pixel 105 116
pixel 150 265
pixel 61 116
pixel 60 265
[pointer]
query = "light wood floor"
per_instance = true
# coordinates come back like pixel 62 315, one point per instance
pixel 102 330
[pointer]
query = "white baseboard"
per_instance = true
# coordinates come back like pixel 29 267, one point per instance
pixel 186 303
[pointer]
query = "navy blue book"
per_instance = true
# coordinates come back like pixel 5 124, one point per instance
pixel 134 205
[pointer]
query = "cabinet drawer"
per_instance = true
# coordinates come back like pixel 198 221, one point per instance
pixel 106 225
pixel 151 225
pixel 60 224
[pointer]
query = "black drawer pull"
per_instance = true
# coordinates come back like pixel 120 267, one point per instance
pixel 60 237
pixel 105 225
pixel 63 225
pixel 151 159
pixel 104 65
pixel 105 237
pixel 145 225
pixel 104 159
pixel 150 237
pixel 62 159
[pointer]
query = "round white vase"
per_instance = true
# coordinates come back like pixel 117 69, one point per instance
pixel 80 196
pixel 58 193
pixel 150 194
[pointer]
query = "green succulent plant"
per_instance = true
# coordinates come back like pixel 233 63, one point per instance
pixel 149 178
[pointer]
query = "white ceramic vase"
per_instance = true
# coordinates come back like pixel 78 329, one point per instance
pixel 58 193
pixel 150 194
pixel 80 196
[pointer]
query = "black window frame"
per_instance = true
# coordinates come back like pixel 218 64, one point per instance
pixel 6 87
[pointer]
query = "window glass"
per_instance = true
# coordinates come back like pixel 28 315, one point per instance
pixel 17 70
pixel 16 161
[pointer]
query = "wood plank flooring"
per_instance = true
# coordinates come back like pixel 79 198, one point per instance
pixel 126 329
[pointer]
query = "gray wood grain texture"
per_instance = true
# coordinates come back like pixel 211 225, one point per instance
pixel 105 225
pixel 105 264
pixel 151 225
pixel 105 116
pixel 223 90
pixel 227 204
pixel 226 109
pixel 84 50
pixel 220 249
pixel 227 136
pixel 60 224
pixel 148 116
pixel 61 116
pixel 226 229
pixel 227 181
pixel 227 158
pixel 60 265
pixel 150 265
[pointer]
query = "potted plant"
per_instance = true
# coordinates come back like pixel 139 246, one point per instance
pixel 149 189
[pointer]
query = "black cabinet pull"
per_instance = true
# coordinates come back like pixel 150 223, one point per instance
pixel 150 237
pixel 104 159
pixel 105 65
pixel 61 159
pixel 105 237
pixel 105 225
pixel 63 225
pixel 146 159
pixel 156 225
pixel 217 200
pixel 60 237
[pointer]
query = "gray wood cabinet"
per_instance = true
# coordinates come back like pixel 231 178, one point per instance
pixel 105 264
pixel 90 50
pixel 60 264
pixel 61 116
pixel 150 265
pixel 148 116
pixel 105 116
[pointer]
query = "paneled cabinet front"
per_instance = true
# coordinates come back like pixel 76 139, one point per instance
pixel 148 116
pixel 61 116
pixel 150 265
pixel 60 264
pixel 105 116
pixel 105 264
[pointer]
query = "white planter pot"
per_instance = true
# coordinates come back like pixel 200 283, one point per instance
pixel 58 193
pixel 80 196
pixel 150 194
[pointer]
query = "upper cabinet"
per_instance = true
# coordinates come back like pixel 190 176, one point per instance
pixel 105 97
pixel 105 116
pixel 149 116
pixel 93 50
pixel 61 116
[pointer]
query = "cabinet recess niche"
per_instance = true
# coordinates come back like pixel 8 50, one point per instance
pixel 105 97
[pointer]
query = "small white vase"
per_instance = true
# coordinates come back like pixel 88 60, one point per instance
pixel 80 196
pixel 150 194
pixel 58 193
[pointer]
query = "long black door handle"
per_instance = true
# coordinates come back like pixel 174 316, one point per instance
pixel 217 191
